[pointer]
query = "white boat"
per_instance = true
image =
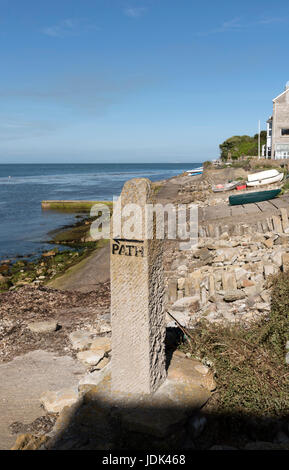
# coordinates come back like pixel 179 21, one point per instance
pixel 196 170
pixel 264 177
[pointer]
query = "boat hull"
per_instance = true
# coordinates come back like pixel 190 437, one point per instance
pixel 224 187
pixel 250 198
pixel 195 174
pixel 273 179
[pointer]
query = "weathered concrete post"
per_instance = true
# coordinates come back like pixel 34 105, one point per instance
pixel 137 291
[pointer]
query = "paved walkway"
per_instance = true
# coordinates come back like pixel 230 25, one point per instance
pixel 24 380
pixel 243 213
pixel 87 274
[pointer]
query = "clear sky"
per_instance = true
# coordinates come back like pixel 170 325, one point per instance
pixel 136 80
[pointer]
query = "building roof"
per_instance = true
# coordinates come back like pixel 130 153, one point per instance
pixel 281 94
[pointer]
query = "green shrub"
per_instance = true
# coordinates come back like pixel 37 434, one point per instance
pixel 240 145
pixel 207 165
pixel 251 373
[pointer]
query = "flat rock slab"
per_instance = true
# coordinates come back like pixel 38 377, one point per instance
pixel 54 402
pixel 101 343
pixel 158 416
pixel 81 339
pixel 191 372
pixel 43 326
pixel 90 358
pixel 24 380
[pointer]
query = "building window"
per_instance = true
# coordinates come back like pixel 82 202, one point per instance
pixel 284 131
pixel 282 151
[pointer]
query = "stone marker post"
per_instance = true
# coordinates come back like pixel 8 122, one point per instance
pixel 137 296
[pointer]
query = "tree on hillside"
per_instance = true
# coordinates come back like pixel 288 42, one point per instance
pixel 241 145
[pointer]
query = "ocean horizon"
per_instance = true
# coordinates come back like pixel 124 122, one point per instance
pixel 24 229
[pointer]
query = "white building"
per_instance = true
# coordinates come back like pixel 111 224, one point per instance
pixel 277 146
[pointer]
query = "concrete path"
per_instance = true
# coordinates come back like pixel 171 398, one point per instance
pixel 22 382
pixel 169 192
pixel 256 211
pixel 87 274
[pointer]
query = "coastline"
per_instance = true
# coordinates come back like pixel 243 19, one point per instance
pixel 75 245
pixel 219 292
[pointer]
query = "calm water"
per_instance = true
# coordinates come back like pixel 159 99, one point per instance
pixel 24 227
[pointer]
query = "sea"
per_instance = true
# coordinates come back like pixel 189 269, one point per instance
pixel 25 228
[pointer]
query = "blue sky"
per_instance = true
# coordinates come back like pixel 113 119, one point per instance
pixel 136 80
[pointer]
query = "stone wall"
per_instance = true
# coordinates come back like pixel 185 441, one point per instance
pixel 225 279
pixel 277 223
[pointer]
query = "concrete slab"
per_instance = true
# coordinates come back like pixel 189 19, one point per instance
pixel 87 274
pixel 97 418
pixel 24 380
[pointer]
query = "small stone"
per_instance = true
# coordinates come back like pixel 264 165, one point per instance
pixel 105 328
pixel 277 224
pixel 253 291
pixel 247 283
pixel 3 280
pixel 269 269
pixel 227 254
pixel 81 340
pixel 196 426
pixel 276 258
pixel 180 294
pixel 184 318
pixel 43 326
pixel 241 273
pixel 265 297
pixel 54 402
pixel 185 303
pixel 224 236
pixel 287 358
pixel 182 270
pixel 285 262
pixel 284 216
pixel 94 378
pixel 268 243
pixel 183 370
pixel 90 358
pixel 5 261
pixel 101 343
pixel 263 307
pixel 202 369
pixel 231 296
pixel 229 281
pixel 103 363
pixel 49 253
pixel 172 290
pixel 212 286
